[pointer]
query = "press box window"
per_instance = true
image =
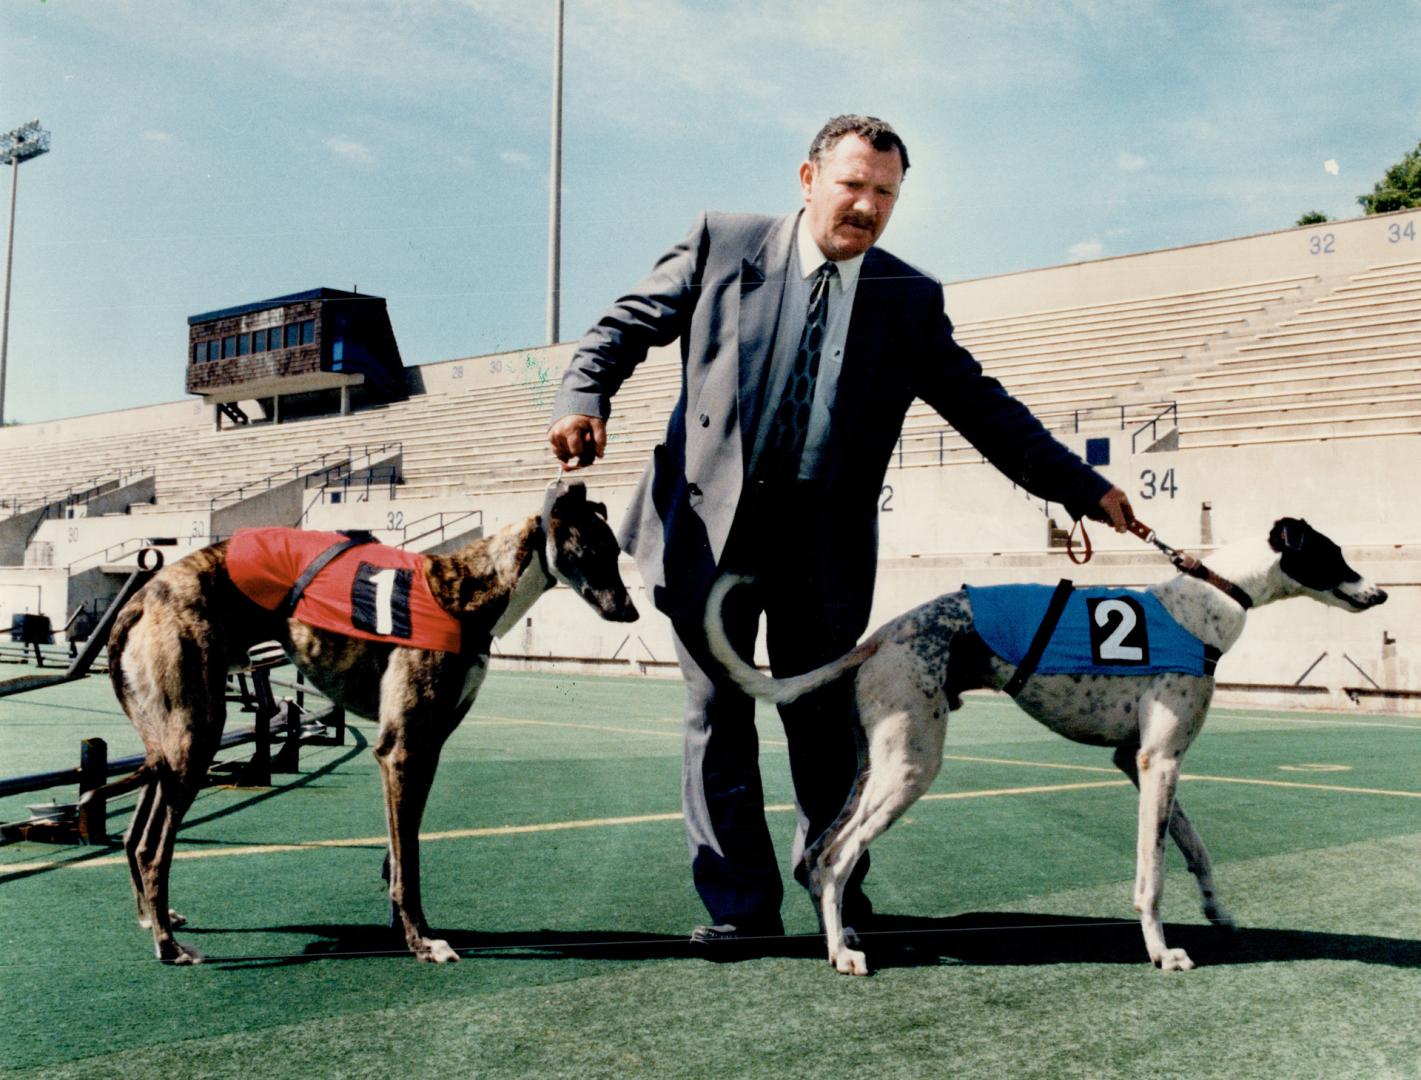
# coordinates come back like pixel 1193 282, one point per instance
pixel 308 332
pixel 214 349
pixel 292 335
pixel 229 346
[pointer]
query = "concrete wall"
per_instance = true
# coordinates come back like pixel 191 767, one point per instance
pixel 170 416
pixel 1331 250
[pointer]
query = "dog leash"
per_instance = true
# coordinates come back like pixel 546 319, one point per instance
pixel 1188 564
pixel 1184 563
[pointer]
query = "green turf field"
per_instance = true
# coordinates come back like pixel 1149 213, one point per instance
pixel 556 862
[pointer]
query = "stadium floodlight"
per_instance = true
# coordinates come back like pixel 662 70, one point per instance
pixel 25 142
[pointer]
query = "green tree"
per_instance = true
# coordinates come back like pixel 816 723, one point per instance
pixel 1313 217
pixel 1399 189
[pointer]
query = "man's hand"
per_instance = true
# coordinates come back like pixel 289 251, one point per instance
pixel 577 440
pixel 1115 508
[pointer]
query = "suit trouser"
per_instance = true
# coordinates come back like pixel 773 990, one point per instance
pixel 732 856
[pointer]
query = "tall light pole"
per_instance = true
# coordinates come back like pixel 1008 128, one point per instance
pixel 28 141
pixel 555 186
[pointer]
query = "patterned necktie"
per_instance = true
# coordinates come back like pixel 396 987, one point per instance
pixel 786 442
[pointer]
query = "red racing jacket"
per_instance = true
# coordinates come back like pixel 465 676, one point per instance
pixel 368 591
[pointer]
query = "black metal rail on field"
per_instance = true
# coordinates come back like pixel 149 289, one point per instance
pixel 278 731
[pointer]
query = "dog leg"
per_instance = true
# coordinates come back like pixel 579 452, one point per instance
pixel 153 855
pixel 411 735
pixel 142 813
pixel 137 826
pixel 1158 764
pixel 904 756
pixel 1191 845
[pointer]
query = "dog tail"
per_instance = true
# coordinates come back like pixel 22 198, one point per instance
pixel 755 682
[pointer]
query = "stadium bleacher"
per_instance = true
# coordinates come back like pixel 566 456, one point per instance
pixel 1208 376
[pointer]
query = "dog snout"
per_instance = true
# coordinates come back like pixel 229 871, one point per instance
pixel 614 605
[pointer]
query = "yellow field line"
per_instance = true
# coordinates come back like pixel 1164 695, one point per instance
pixel 1326 723
pixel 1038 790
pixel 1308 787
pixel 496 830
pixel 1196 776
pixel 504 721
pixel 1028 764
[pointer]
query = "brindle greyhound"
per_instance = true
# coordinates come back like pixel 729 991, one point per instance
pixel 175 641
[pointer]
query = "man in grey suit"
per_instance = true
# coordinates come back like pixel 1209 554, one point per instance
pixel 802 347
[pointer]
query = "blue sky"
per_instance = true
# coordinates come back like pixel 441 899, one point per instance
pixel 208 154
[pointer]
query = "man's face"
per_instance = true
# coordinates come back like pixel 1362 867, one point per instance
pixel 848 196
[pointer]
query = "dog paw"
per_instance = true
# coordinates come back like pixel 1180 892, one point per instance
pixel 175 952
pixel 1174 960
pixel 851 962
pixel 436 951
pixel 145 921
pixel 1219 915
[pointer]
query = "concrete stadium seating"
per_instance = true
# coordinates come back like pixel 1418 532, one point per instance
pixel 1228 383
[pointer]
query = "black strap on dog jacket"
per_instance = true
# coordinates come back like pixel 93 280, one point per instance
pixel 1027 667
pixel 319 563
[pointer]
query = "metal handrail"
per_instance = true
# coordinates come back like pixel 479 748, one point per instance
pixel 1153 424
pixel 72 497
pixel 295 472
pixel 123 547
pixel 446 519
pixel 918 441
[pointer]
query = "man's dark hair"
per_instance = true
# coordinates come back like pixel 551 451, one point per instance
pixel 879 134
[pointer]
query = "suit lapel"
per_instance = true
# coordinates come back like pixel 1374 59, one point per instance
pixel 762 286
pixel 863 343
pixel 864 371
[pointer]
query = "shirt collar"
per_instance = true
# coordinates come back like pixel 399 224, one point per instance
pixel 811 258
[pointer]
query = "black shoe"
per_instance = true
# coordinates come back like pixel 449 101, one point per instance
pixel 741 934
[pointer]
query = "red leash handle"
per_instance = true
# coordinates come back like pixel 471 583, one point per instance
pixel 1071 543
pixel 1136 526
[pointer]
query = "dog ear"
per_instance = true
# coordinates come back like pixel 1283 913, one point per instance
pixel 1288 534
pixel 600 509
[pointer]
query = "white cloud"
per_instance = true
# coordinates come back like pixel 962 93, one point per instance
pixel 1331 166
pixel 350 150
pixel 157 136
pixel 513 157
pixel 1086 249
pixel 1129 162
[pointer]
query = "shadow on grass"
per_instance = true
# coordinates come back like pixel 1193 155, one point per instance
pixel 1018 938
pixel 984 939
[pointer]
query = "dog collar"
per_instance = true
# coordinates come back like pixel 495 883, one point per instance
pixel 1187 564
pixel 543 537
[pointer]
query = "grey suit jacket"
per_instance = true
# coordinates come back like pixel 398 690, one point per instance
pixel 719 291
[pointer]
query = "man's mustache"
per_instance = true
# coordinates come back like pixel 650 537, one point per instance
pixel 862 221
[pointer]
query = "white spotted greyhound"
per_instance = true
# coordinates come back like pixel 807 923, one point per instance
pixel 910 673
